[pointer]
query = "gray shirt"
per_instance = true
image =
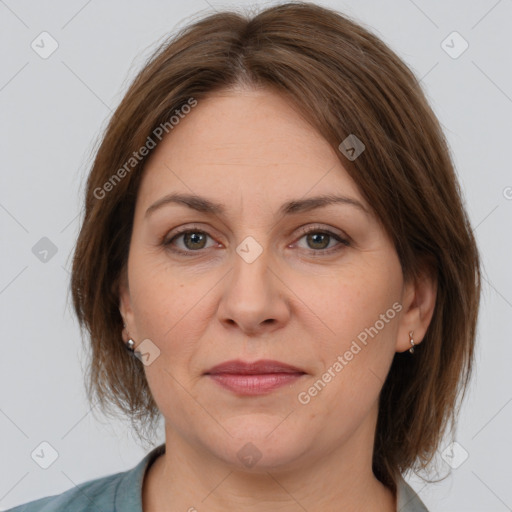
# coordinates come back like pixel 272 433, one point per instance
pixel 122 492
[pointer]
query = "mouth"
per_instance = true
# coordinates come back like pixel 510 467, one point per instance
pixel 259 377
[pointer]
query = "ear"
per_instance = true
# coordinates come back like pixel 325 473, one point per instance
pixel 125 307
pixel 419 300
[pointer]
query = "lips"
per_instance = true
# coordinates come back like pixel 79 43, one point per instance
pixel 259 377
pixel 261 367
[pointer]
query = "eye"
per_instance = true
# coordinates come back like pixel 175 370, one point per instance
pixel 192 240
pixel 319 241
pixel 323 240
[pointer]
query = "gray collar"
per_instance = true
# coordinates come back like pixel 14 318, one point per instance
pixel 407 500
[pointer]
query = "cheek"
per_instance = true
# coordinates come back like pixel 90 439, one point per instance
pixel 162 297
pixel 352 301
pixel 362 313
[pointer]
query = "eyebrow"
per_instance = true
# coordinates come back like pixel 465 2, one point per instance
pixel 204 205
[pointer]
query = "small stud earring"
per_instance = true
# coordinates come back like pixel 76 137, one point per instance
pixel 130 344
pixel 411 350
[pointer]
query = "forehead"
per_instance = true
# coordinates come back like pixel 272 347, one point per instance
pixel 248 142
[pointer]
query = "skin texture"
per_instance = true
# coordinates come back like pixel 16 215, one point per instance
pixel 302 301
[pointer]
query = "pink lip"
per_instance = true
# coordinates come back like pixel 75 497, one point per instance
pixel 254 378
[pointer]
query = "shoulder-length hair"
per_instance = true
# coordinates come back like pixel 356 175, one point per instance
pixel 343 80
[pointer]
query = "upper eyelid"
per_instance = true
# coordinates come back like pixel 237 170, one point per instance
pixel 304 228
pixel 318 227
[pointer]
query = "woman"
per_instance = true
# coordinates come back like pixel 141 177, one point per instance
pixel 275 258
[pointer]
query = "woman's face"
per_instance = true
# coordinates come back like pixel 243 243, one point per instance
pixel 269 274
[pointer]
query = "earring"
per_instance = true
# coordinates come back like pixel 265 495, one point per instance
pixel 411 350
pixel 130 344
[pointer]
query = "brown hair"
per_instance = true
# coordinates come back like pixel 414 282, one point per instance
pixel 343 80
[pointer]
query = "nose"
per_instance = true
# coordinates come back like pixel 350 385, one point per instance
pixel 254 298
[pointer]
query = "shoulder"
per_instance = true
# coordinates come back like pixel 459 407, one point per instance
pixel 117 492
pixel 91 495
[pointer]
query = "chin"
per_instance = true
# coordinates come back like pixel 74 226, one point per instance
pixel 261 442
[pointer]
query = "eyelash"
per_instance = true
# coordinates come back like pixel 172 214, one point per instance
pixel 303 231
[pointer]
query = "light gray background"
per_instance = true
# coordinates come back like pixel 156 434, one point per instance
pixel 52 111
